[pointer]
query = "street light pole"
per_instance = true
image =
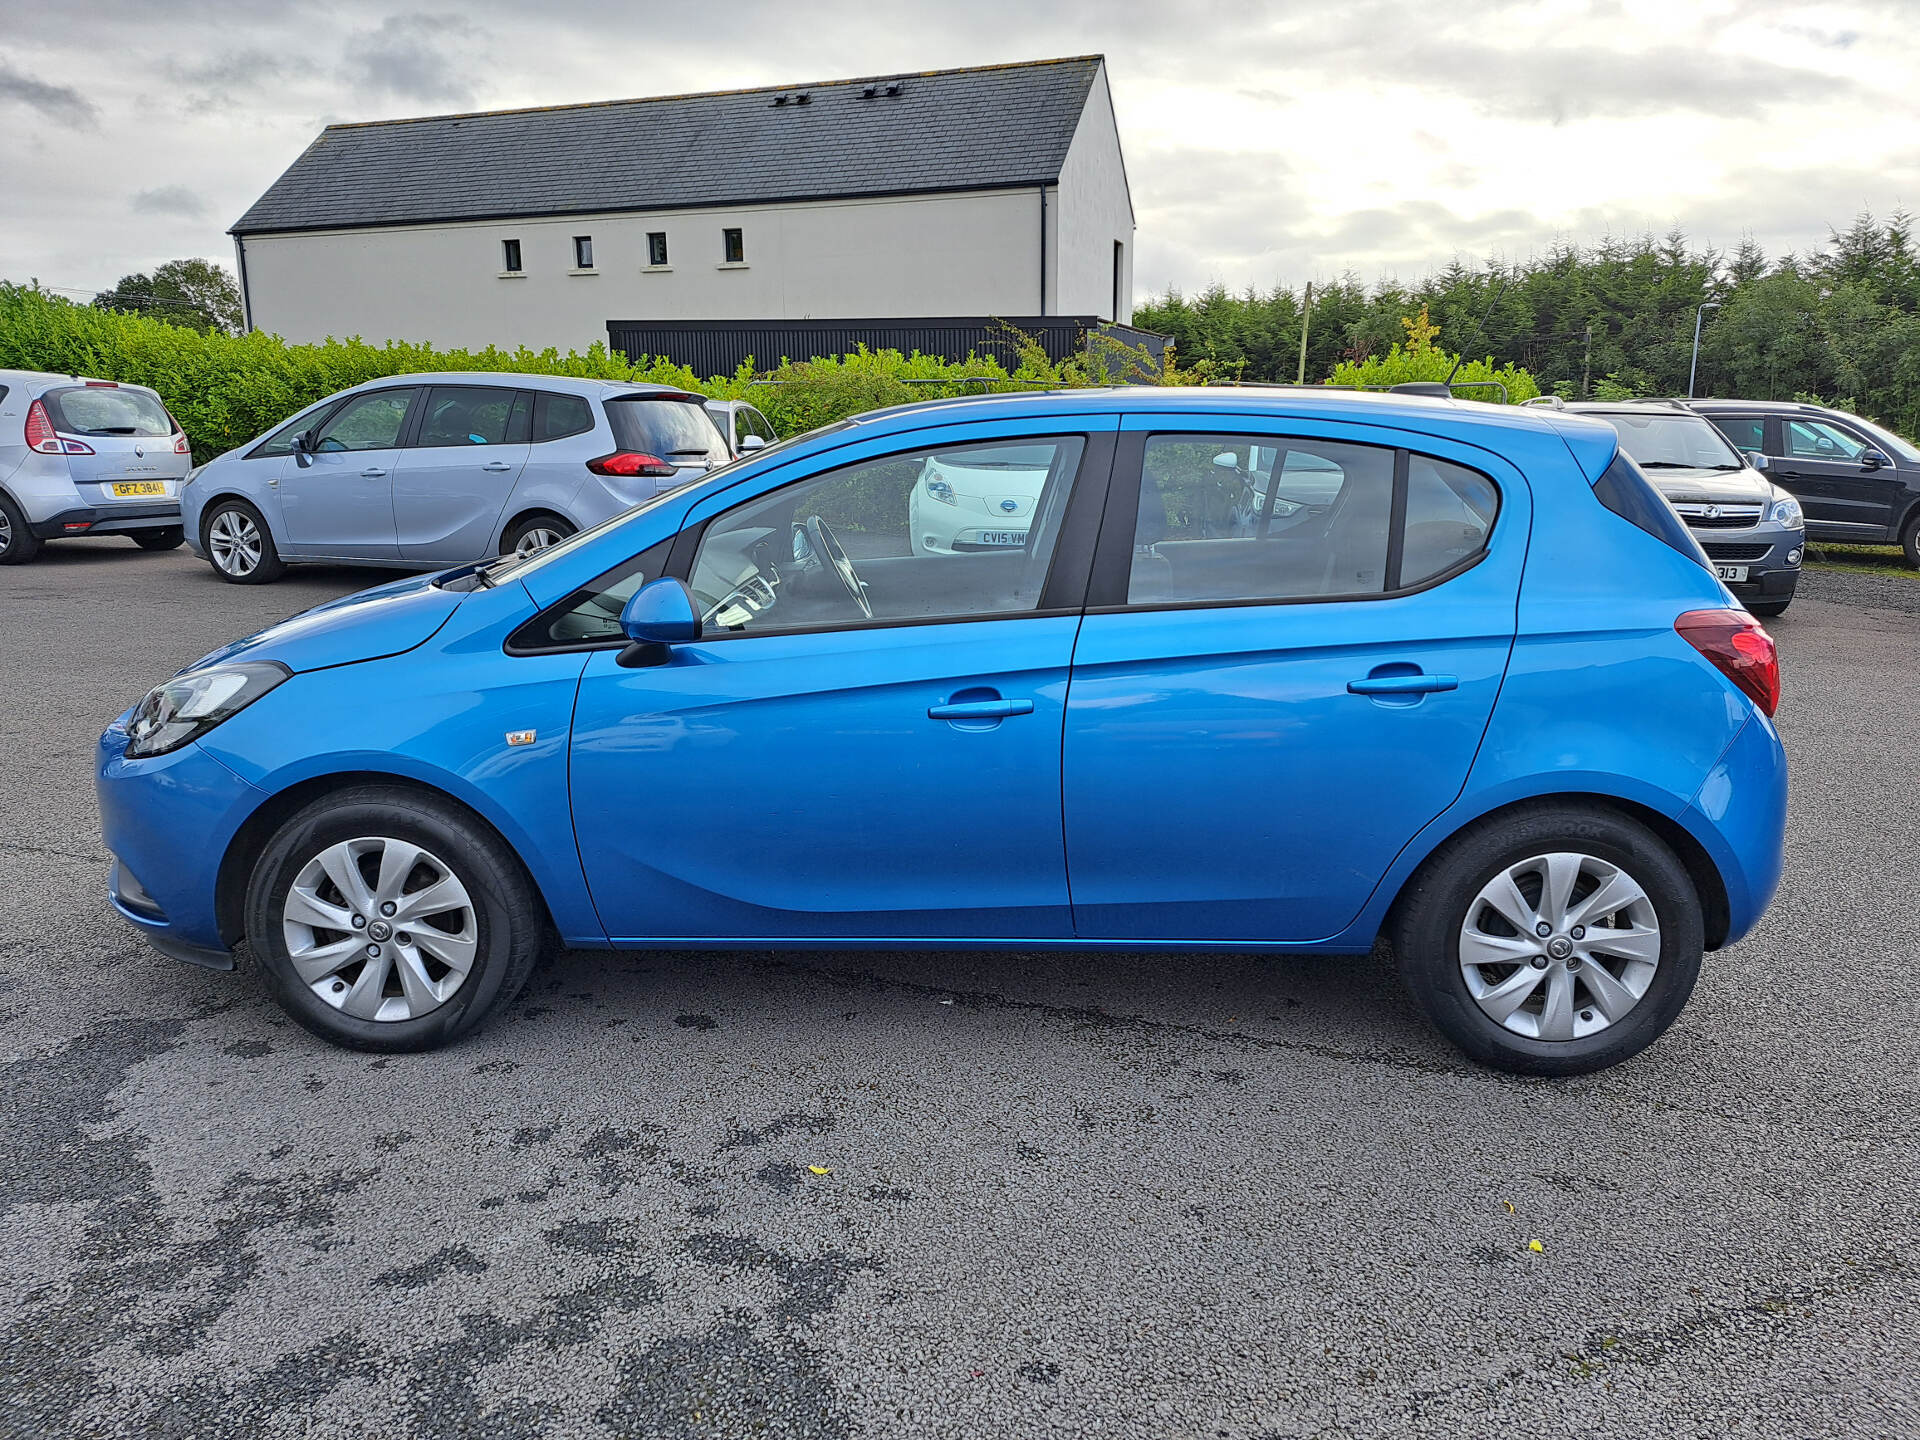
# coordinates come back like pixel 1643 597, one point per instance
pixel 1694 369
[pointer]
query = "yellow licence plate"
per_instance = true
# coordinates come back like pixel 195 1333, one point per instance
pixel 140 487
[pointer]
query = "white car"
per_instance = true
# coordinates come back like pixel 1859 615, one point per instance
pixel 980 498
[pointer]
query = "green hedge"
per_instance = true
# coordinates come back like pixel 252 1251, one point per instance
pixel 225 389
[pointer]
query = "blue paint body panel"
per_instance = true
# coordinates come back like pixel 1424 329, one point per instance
pixel 1115 777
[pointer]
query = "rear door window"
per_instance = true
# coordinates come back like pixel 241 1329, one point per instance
pixel 682 432
pixel 468 415
pixel 104 410
pixel 1745 432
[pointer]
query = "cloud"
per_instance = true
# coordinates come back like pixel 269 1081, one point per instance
pixel 170 200
pixel 61 104
pixel 413 57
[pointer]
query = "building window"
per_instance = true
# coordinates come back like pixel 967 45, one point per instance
pixel 734 247
pixel 583 252
pixel 510 256
pixel 1119 280
pixel 656 247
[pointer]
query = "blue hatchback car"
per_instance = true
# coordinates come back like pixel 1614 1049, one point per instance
pixel 1267 669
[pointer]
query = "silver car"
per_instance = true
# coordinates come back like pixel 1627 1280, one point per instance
pixel 86 457
pixel 430 471
pixel 745 427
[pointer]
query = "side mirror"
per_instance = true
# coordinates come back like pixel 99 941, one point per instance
pixel 1873 460
pixel 1760 460
pixel 661 614
pixel 1227 460
pixel 302 456
pixel 752 442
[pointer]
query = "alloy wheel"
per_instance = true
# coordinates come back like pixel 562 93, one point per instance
pixel 235 542
pixel 1559 946
pixel 6 532
pixel 538 538
pixel 380 928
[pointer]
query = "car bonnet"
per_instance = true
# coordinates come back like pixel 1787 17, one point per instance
pixel 386 620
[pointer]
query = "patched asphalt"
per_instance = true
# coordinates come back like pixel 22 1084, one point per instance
pixel 1203 1196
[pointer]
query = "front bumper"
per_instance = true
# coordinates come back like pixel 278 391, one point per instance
pixel 168 821
pixel 1770 553
pixel 109 520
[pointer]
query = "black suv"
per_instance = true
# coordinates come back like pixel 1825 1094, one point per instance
pixel 1856 480
pixel 1749 527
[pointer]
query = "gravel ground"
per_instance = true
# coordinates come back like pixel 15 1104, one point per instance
pixel 969 1196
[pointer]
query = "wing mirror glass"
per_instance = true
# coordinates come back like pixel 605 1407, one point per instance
pixel 1873 460
pixel 661 614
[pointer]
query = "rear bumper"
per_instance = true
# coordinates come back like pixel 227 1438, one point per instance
pixel 109 520
pixel 1740 817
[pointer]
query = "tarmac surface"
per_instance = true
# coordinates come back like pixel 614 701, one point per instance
pixel 968 1196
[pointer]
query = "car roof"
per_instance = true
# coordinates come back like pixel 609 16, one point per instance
pixel 592 386
pixel 46 380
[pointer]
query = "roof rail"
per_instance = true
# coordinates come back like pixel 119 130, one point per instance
pixel 1549 402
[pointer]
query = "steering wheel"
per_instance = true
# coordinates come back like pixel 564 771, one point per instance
pixel 827 545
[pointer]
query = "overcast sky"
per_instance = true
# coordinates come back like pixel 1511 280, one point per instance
pixel 1265 143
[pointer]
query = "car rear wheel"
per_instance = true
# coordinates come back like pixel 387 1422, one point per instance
pixel 1555 941
pixel 18 544
pixel 534 532
pixel 387 919
pixel 239 545
pixel 160 539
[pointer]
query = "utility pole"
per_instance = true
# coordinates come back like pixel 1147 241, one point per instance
pixel 1586 365
pixel 1694 369
pixel 1306 309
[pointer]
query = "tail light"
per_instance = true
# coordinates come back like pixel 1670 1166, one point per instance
pixel 182 445
pixel 40 436
pixel 1740 648
pixel 631 462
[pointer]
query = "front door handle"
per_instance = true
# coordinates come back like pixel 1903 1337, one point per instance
pixel 1402 684
pixel 979 709
pixel 373 472
pixel 496 465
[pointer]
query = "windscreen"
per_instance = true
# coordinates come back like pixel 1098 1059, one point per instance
pixel 100 410
pixel 1673 442
pixel 680 432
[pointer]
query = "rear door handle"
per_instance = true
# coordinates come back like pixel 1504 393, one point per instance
pixel 373 472
pixel 979 709
pixel 1402 684
pixel 496 465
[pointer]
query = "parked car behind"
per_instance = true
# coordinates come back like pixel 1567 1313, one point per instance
pixel 1482 693
pixel 426 471
pixel 1857 481
pixel 744 427
pixel 1751 529
pixel 86 457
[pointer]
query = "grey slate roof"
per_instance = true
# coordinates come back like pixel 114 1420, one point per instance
pixel 981 128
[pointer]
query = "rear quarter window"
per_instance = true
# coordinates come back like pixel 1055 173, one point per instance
pixel 1630 495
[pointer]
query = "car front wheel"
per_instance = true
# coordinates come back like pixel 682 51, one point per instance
pixel 239 545
pixel 388 919
pixel 1554 941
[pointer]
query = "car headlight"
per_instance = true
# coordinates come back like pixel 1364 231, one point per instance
pixel 940 490
pixel 189 705
pixel 192 475
pixel 1787 512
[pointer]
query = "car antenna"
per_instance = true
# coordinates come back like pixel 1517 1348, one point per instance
pixel 1462 355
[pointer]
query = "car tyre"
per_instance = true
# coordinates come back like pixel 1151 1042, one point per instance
pixel 531 533
pixel 492 913
pixel 18 543
pixel 239 545
pixel 1910 541
pixel 1431 921
pixel 160 539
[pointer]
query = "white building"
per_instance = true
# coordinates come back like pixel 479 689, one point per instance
pixel 996 191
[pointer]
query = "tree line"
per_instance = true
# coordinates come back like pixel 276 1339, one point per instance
pixel 1612 319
